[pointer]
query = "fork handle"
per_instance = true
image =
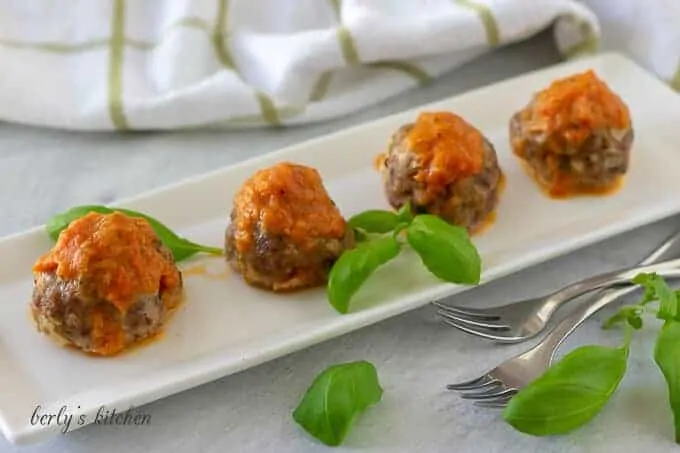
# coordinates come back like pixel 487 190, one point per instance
pixel 622 276
pixel 566 326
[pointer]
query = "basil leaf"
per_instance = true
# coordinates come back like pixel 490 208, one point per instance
pixel 445 250
pixel 668 360
pixel 656 288
pixel 181 248
pixel 335 399
pixel 374 221
pixel 570 393
pixel 354 267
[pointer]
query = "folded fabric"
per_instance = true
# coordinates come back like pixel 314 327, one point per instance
pixel 172 64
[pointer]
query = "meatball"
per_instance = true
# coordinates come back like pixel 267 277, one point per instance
pixel 109 282
pixel 444 166
pixel 574 137
pixel 285 231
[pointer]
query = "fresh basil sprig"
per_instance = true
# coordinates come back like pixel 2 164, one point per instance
pixel 444 249
pixel 180 247
pixel 336 398
pixel 573 391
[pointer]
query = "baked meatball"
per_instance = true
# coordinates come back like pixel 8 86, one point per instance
pixel 285 231
pixel 108 283
pixel 444 166
pixel 574 137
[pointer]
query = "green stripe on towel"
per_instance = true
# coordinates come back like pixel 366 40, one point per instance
pixel 487 18
pixel 320 88
pixel 407 68
pixel 588 45
pixel 585 47
pixel 267 107
pixel 351 55
pixel 96 44
pixel 347 47
pixel 675 80
pixel 116 54
pixel 57 47
pixel 190 22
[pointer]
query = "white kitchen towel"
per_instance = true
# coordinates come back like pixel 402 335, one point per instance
pixel 173 64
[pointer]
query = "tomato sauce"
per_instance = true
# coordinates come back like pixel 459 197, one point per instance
pixel 287 200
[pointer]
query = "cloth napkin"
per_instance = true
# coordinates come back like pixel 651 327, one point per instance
pixel 174 64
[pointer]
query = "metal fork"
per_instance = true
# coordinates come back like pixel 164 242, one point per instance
pixel 519 321
pixel 496 387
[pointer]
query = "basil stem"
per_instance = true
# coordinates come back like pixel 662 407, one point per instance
pixel 181 248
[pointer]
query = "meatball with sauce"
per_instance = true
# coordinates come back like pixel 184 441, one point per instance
pixel 109 282
pixel 574 137
pixel 285 231
pixel 444 166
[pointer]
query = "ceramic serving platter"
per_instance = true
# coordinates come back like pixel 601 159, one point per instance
pixel 226 326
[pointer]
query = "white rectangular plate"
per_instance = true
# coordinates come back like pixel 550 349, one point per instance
pixel 226 326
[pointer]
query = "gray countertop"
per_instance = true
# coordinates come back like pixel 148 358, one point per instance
pixel 43 171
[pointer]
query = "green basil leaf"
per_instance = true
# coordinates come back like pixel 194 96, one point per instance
pixel 374 221
pixel 570 394
pixel 181 248
pixel 355 266
pixel 668 360
pixel 335 399
pixel 656 288
pixel 445 250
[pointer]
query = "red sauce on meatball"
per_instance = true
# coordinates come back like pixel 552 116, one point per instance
pixel 572 107
pixel 116 253
pixel 287 199
pixel 448 148
pixel 117 257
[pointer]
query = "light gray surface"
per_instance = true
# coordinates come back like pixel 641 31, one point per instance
pixel 42 172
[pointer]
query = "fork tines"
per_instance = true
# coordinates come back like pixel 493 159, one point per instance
pixel 485 390
pixel 470 316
